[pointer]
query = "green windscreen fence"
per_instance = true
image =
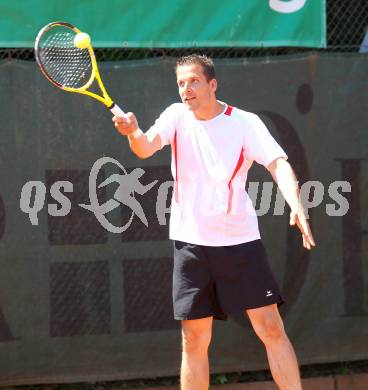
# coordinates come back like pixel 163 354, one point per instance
pixel 171 24
pixel 80 303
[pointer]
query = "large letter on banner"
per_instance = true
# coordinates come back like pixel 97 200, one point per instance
pixel 287 7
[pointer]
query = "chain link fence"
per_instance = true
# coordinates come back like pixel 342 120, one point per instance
pixel 347 22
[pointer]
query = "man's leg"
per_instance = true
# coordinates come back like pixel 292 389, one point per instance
pixel 268 325
pixel 196 337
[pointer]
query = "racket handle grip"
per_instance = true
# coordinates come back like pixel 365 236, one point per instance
pixel 116 110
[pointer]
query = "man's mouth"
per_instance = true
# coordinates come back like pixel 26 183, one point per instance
pixel 187 99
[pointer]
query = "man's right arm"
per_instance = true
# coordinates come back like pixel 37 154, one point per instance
pixel 143 145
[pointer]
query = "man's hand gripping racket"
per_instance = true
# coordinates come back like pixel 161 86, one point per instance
pixel 67 60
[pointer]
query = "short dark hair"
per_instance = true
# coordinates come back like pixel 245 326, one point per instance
pixel 205 62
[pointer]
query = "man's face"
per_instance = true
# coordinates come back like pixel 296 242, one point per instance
pixel 194 89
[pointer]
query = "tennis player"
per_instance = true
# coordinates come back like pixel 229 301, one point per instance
pixel 220 265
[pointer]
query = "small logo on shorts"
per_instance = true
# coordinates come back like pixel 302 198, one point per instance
pixel 269 293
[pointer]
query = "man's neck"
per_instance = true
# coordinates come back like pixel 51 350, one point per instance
pixel 214 110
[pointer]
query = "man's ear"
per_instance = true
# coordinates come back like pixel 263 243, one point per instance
pixel 213 85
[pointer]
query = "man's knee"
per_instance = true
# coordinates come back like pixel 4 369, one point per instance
pixel 269 328
pixel 195 338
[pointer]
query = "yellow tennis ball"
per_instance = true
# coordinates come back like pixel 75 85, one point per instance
pixel 82 40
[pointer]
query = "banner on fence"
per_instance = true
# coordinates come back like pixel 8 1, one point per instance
pixel 164 23
pixel 79 302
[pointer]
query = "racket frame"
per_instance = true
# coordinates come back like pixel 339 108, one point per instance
pixel 95 75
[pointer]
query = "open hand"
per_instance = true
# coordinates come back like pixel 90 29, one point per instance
pixel 298 218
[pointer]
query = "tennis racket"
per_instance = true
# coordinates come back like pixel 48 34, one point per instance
pixel 68 67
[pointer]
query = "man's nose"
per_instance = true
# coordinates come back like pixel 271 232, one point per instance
pixel 187 87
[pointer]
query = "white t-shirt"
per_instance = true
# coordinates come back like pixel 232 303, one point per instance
pixel 210 162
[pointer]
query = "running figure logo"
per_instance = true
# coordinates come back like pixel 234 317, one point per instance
pixel 124 195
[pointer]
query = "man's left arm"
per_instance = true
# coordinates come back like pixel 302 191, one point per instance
pixel 286 180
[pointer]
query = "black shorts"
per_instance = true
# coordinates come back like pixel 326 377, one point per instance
pixel 217 281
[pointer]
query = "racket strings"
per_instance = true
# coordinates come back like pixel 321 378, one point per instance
pixel 64 63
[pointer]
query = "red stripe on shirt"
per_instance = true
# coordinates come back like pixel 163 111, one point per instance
pixel 176 191
pixel 230 184
pixel 228 110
